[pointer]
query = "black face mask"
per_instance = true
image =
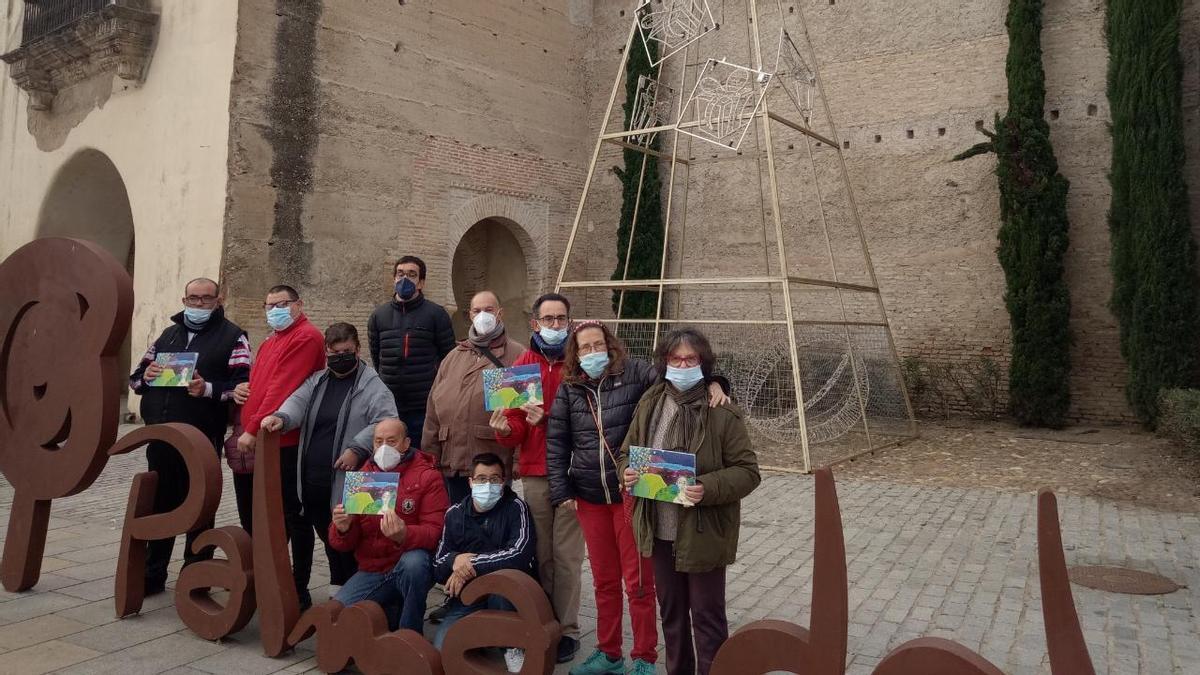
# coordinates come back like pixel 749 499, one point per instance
pixel 342 364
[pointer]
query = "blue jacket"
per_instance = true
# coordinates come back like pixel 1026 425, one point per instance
pixel 502 538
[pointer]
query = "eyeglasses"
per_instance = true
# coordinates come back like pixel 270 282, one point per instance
pixel 683 362
pixel 586 349
pixel 282 304
pixel 548 321
pixel 414 275
pixel 199 300
pixel 491 480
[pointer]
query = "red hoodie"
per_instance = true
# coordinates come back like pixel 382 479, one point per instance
pixel 421 503
pixel 285 359
pixel 531 460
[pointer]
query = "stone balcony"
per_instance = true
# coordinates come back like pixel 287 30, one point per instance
pixel 64 42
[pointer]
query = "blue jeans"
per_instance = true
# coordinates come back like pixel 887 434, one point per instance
pixel 404 588
pixel 457 610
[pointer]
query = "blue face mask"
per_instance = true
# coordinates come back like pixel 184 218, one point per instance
pixel 406 289
pixel 279 318
pixel 684 378
pixel 594 364
pixel 553 336
pixel 196 316
pixel 486 495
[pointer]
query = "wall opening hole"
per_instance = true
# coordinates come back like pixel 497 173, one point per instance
pixel 1092 110
pixel 845 145
pixel 909 133
pixel 878 138
pixel 978 124
pixel 941 131
pixel 1053 114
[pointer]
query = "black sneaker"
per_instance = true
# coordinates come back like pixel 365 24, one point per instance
pixel 154 587
pixel 305 601
pixel 437 615
pixel 568 647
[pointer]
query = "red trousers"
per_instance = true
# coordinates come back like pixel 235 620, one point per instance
pixel 614 557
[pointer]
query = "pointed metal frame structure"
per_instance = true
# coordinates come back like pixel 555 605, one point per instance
pixel 681 158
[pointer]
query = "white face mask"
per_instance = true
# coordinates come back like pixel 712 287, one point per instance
pixel 386 457
pixel 484 323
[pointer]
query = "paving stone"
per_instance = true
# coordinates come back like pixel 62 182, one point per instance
pixel 45 657
pixel 247 659
pixel 130 631
pixel 153 656
pixel 39 629
pixel 36 604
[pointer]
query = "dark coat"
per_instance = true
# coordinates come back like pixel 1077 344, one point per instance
pixel 502 538
pixel 408 340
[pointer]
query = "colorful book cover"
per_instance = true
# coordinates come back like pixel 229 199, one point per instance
pixel 177 368
pixel 662 474
pixel 505 388
pixel 366 493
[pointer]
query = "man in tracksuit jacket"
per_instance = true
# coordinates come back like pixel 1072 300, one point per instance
pixel 409 336
pixel 222 364
pixel 489 530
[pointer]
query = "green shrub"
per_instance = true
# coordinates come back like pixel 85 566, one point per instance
pixel 1179 417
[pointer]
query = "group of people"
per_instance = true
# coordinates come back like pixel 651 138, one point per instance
pixel 418 410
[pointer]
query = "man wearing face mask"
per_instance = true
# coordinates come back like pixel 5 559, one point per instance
pixel 335 410
pixel 560 541
pixel 223 363
pixel 487 530
pixel 395 549
pixel 409 336
pixel 292 352
pixel 456 423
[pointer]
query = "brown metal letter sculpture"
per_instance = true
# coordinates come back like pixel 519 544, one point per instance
pixel 197 609
pixel 278 602
pixel 359 633
pixel 142 524
pixel 1064 637
pixel 57 416
pixel 767 645
pixel 532 627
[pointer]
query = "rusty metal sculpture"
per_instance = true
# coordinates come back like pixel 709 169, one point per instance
pixel 82 307
pixel 532 627
pixel 359 634
pixel 142 525
pixel 278 602
pixel 1064 637
pixel 197 609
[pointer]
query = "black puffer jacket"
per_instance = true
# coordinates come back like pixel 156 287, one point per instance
pixel 408 341
pixel 577 465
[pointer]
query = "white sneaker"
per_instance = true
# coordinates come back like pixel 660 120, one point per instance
pixel 514 659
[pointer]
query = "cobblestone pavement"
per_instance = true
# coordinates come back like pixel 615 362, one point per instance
pixel 923 561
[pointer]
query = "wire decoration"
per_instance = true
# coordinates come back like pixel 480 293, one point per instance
pixel 678 24
pixel 723 104
pixel 796 78
pixel 651 108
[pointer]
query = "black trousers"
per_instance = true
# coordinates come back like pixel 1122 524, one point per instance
pixel 317 517
pixel 166 461
pixel 692 605
pixel 243 491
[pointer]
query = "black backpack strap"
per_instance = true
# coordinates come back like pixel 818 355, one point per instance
pixel 488 353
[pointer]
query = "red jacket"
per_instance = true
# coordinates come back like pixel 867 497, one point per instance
pixel 285 359
pixel 531 460
pixel 421 504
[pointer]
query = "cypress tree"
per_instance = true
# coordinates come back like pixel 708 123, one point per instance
pixel 1033 231
pixel 1153 255
pixel 645 260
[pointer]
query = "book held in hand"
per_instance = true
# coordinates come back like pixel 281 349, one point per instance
pixel 366 493
pixel 662 474
pixel 505 388
pixel 177 368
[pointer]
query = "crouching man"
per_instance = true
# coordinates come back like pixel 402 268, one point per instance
pixel 487 531
pixel 394 549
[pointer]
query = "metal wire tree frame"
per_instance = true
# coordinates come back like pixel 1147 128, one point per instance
pixel 823 414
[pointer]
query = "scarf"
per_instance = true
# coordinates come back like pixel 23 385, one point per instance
pixel 551 352
pixel 485 341
pixel 674 427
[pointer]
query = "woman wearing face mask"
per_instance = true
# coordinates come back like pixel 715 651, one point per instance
pixel 691 545
pixel 588 422
pixel 334 409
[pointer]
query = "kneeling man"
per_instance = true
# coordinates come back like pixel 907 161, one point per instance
pixel 394 549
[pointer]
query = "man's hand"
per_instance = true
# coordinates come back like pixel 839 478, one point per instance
pixel 454 585
pixel 569 505
pixel 348 461
pixel 716 395
pixel 196 386
pixel 631 477
pixel 246 442
pixel 393 526
pixel 499 423
pixel 533 413
pixel 241 393
pixel 463 566
pixel 694 493
pixel 152 371
pixel 341 521
pixel 271 423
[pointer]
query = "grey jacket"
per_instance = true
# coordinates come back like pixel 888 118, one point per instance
pixel 368 402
